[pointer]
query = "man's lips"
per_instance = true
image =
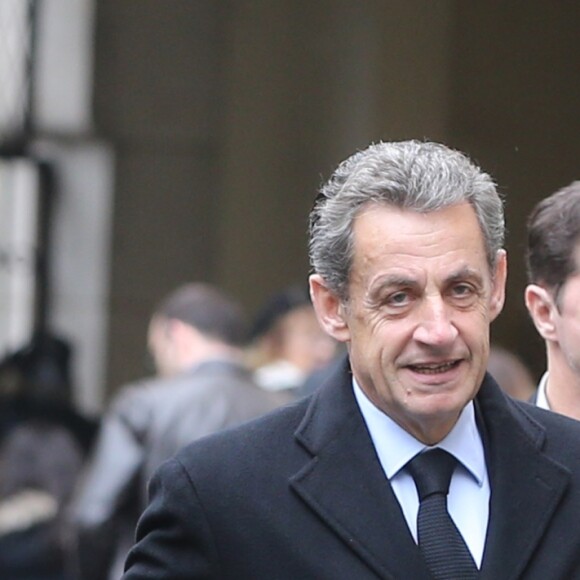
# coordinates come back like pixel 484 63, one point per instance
pixel 433 368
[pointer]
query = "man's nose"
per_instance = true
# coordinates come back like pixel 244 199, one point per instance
pixel 435 325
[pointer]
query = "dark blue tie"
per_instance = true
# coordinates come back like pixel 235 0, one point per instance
pixel 445 551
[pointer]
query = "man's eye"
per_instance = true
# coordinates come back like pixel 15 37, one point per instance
pixel 462 290
pixel 398 299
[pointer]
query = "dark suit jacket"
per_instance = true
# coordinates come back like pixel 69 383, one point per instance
pixel 300 494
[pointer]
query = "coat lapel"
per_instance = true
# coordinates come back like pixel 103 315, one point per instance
pixel 526 484
pixel 345 486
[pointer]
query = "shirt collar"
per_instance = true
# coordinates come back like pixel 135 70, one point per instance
pixel 395 447
pixel 541 397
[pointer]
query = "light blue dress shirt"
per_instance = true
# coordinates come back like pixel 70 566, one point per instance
pixel 469 492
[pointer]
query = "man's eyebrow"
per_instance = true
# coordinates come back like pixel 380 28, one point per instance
pixel 391 281
pixel 465 273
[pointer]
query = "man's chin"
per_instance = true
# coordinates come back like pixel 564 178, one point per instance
pixel 440 406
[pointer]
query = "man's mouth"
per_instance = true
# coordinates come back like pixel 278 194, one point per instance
pixel 433 368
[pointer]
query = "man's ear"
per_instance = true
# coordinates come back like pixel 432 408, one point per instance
pixel 499 283
pixel 541 307
pixel 329 309
pixel 183 335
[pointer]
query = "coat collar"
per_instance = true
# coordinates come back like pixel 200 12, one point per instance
pixel 526 484
pixel 344 484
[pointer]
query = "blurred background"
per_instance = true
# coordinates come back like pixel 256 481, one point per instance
pixel 145 143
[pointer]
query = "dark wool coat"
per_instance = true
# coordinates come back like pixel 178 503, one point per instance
pixel 300 494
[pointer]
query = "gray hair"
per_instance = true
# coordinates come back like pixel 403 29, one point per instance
pixel 414 175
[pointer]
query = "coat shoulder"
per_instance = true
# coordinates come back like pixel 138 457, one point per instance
pixel 254 440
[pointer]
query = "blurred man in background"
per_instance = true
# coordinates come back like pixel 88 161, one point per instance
pixel 195 338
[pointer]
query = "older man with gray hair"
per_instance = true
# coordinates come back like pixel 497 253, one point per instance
pixel 408 462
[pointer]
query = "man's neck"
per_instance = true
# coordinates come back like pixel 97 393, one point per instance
pixel 563 390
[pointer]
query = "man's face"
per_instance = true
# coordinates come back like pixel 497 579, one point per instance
pixel 160 344
pixel 421 299
pixel 566 320
pixel 556 315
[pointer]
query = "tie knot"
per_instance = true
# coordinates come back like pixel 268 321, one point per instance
pixel 432 472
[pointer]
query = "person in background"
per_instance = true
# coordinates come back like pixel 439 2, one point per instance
pixel 409 462
pixel 551 296
pixel 511 373
pixel 35 384
pixel 287 342
pixel 44 441
pixel 40 462
pixel 196 339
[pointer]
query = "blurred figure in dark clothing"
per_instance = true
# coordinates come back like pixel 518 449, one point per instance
pixel 43 443
pixel 39 464
pixel 35 383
